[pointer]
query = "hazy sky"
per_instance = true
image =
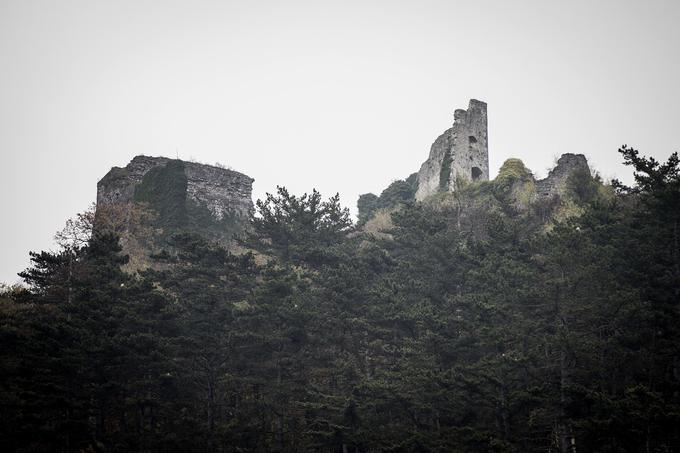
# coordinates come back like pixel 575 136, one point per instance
pixel 340 96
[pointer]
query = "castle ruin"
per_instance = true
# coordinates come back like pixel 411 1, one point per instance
pixel 153 198
pixel 462 151
pixel 223 192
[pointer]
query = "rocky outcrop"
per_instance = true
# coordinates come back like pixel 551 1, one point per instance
pixel 460 152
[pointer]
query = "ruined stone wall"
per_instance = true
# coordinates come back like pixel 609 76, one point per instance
pixel 460 152
pixel 118 185
pixel 556 181
pixel 430 172
pixel 151 198
pixel 224 192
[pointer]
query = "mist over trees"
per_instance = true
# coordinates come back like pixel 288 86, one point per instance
pixel 468 324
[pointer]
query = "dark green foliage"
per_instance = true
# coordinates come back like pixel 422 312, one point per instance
pixel 469 329
pixel 367 205
pixel 445 171
pixel 582 187
pixel 50 275
pixel 400 191
pixel 299 229
pixel 201 221
pixel 164 188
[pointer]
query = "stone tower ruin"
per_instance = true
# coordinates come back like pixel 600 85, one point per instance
pixel 462 151
pixel 151 199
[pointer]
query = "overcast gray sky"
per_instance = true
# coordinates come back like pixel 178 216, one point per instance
pixel 341 96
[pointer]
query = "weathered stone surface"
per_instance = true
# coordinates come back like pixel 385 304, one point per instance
pixel 151 198
pixel 460 152
pixel 224 192
pixel 556 181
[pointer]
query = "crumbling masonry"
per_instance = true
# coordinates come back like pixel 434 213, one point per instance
pixel 462 151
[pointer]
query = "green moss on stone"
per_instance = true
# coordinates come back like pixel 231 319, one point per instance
pixel 514 169
pixel 445 172
pixel 165 190
pixel 201 219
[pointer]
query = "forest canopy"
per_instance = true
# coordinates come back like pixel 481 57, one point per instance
pixel 473 323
